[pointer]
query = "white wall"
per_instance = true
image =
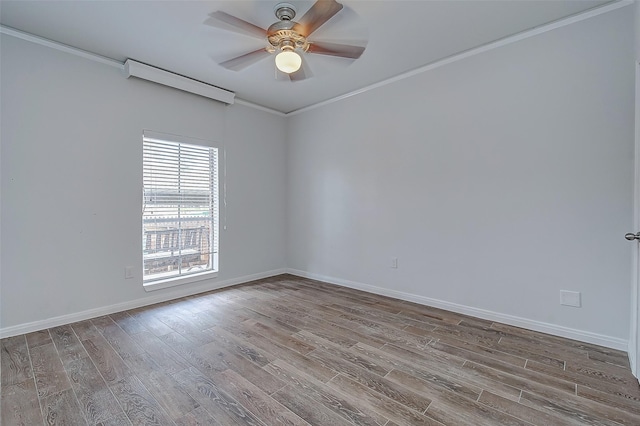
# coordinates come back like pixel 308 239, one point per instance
pixel 71 184
pixel 496 180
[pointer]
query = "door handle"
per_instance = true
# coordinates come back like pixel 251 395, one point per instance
pixel 632 237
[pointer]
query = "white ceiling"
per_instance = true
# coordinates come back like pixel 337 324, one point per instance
pixel 172 35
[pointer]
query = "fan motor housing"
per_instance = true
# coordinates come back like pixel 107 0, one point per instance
pixel 287 37
pixel 284 34
pixel 285 11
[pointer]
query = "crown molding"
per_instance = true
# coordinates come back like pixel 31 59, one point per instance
pixel 260 107
pixel 61 47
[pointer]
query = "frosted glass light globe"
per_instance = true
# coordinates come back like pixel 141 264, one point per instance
pixel 288 61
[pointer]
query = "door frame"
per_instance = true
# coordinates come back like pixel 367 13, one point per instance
pixel 634 336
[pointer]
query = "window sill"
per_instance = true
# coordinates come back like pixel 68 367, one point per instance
pixel 173 282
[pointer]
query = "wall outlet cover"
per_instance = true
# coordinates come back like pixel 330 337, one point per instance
pixel 128 272
pixel 570 298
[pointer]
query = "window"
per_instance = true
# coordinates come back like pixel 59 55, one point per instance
pixel 180 209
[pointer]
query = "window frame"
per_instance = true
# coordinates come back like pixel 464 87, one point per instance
pixel 161 283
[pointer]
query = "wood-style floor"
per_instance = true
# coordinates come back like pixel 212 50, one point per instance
pixel 290 351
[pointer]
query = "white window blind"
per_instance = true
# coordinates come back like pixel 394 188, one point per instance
pixel 180 209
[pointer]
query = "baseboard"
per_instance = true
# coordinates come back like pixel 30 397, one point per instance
pixel 178 292
pixel 556 330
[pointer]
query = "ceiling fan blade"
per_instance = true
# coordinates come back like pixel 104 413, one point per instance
pixel 243 61
pixel 320 12
pixel 302 74
pixel 235 24
pixel 298 75
pixel 334 49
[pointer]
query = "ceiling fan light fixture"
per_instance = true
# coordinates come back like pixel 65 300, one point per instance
pixel 288 39
pixel 288 61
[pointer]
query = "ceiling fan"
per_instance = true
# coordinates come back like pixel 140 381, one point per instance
pixel 287 39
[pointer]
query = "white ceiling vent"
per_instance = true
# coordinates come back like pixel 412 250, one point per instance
pixel 146 72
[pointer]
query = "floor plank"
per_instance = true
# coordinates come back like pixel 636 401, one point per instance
pixel 197 417
pixel 222 406
pixel 120 341
pixel 162 354
pixel 386 387
pixel 138 404
pixel 38 338
pixel 120 420
pixel 580 410
pixel 264 343
pixel 306 407
pixel 48 370
pixel 107 361
pixel 67 344
pixel 15 366
pixel 256 401
pixel 95 399
pixel 129 324
pixel 243 366
pixel 20 405
pixel 379 403
pixel 62 409
pixel 162 386
pixel 344 406
pixel 521 411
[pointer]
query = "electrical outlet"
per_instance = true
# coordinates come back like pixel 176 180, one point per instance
pixel 394 262
pixel 570 298
pixel 128 272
